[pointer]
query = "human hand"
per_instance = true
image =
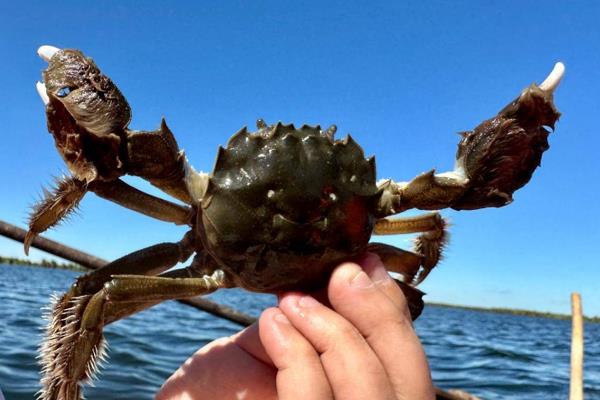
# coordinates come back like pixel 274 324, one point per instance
pixel 360 346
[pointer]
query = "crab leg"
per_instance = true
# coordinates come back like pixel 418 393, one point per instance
pixel 127 196
pixel 63 199
pixel 151 260
pixel 428 245
pixel 420 223
pixel 81 346
pixel 57 203
pixel 155 157
pixel 494 160
pixel 199 268
pixel 406 263
pixel 398 260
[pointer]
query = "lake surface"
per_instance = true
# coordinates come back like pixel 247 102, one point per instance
pixel 494 356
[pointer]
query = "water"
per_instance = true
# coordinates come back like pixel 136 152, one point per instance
pixel 494 356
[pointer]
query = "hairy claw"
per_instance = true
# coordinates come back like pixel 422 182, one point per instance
pixel 59 349
pixel 493 160
pixel 501 154
pixel 88 117
pixel 89 96
pixel 86 114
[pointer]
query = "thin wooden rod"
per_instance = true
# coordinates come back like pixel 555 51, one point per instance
pixel 91 262
pixel 52 247
pixel 576 387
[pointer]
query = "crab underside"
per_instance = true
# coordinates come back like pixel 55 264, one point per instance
pixel 281 208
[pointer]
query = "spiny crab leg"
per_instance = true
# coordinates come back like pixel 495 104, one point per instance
pixel 428 245
pixel 73 343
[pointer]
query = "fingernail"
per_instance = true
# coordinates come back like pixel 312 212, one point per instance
pixel 361 280
pixel 379 274
pixel 375 269
pixel 307 302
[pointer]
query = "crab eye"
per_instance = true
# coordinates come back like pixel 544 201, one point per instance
pixel 63 92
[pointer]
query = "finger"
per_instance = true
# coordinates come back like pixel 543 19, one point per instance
pixel 352 368
pixel 374 309
pixel 220 370
pixel 300 374
pixel 374 268
pixel 248 340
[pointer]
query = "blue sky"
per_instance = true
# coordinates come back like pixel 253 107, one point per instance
pixel 402 78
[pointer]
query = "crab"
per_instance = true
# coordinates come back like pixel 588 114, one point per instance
pixel 282 207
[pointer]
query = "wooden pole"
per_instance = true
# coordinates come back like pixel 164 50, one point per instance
pixel 50 246
pixel 576 387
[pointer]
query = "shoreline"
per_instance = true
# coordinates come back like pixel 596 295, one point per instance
pixel 514 311
pixel 44 263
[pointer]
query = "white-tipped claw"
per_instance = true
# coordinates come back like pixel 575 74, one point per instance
pixel 41 89
pixel 46 52
pixel 552 81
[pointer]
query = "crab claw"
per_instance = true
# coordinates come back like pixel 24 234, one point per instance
pixel 89 96
pixel 41 89
pixel 47 52
pixel 88 118
pixel 493 160
pixel 87 114
pixel 552 81
pixel 500 155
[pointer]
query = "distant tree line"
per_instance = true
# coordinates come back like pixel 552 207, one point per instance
pixel 41 263
pixel 527 313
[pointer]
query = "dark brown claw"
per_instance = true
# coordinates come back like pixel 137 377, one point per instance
pixel 91 98
pixel 88 117
pixel 501 154
pixel 493 160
